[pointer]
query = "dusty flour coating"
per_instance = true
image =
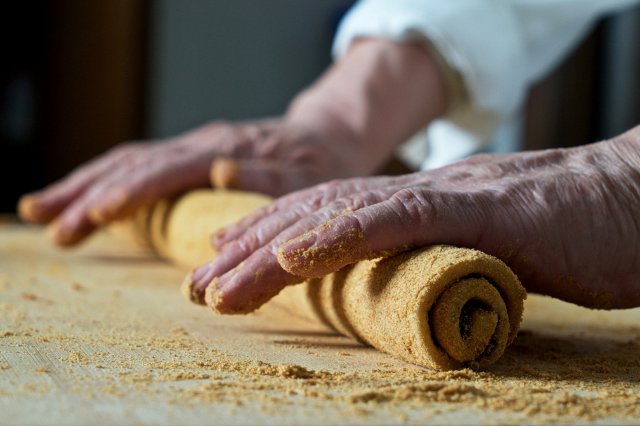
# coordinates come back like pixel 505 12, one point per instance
pixel 386 302
pixel 116 353
pixel 423 306
pixel 350 244
pixel 126 342
pixel 519 386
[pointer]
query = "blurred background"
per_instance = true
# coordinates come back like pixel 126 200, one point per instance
pixel 79 76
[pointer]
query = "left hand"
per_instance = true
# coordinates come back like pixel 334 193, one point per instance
pixel 566 221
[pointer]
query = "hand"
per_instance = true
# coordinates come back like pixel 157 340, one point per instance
pixel 565 220
pixel 346 124
pixel 273 157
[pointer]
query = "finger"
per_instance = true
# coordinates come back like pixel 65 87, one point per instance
pixel 45 205
pixel 144 183
pixel 269 236
pixel 33 209
pixel 231 232
pixel 71 228
pixel 326 249
pixel 234 253
pixel 256 236
pixel 260 276
pixel 241 289
pixel 270 220
pixel 408 219
pixel 74 223
pixel 315 197
pixel 275 230
pixel 236 292
pixel 236 230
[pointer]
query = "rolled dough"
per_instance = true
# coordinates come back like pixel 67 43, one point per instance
pixel 441 307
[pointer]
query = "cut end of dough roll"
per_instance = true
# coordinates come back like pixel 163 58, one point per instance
pixel 441 307
pixel 470 322
pixel 470 309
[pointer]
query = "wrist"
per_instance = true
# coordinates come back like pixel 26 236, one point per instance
pixel 313 108
pixel 616 162
pixel 379 94
pixel 628 145
pixel 623 150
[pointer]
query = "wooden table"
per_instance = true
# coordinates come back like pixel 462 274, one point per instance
pixel 101 335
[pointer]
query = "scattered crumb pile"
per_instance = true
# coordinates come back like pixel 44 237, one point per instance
pixel 96 340
pixel 533 379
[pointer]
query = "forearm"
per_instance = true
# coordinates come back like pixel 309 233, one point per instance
pixel 381 92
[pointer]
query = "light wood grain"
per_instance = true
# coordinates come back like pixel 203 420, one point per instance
pixel 80 332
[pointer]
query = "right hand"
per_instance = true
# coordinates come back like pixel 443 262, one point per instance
pixel 273 157
pixel 565 220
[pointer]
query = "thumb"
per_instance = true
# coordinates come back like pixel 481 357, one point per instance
pixel 262 176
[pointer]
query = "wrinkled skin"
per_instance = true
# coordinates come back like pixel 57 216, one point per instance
pixel 346 124
pixel 274 157
pixel 567 221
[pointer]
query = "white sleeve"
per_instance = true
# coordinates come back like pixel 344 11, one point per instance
pixel 497 47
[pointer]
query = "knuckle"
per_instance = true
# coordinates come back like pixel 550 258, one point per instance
pixel 311 201
pixel 363 199
pixel 330 187
pixel 246 244
pixel 405 196
pixel 414 204
pixel 357 202
pixel 316 201
pixel 333 184
pixel 301 209
pixel 336 207
pixel 334 193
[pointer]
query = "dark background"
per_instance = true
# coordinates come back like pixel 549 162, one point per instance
pixel 79 76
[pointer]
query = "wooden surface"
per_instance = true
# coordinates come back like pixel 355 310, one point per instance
pixel 102 335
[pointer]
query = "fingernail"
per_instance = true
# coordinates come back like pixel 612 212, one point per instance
pixel 60 235
pixel 98 215
pixel 200 272
pixel 217 238
pixel 323 250
pixel 222 293
pixel 220 303
pixel 212 296
pixel 196 282
pixel 28 207
pixel 189 292
pixel 297 250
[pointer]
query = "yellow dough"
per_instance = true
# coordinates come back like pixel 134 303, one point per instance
pixel 441 307
pixel 179 229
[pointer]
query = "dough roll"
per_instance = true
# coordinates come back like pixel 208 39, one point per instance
pixel 442 307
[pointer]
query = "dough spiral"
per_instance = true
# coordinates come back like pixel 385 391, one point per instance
pixel 441 307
